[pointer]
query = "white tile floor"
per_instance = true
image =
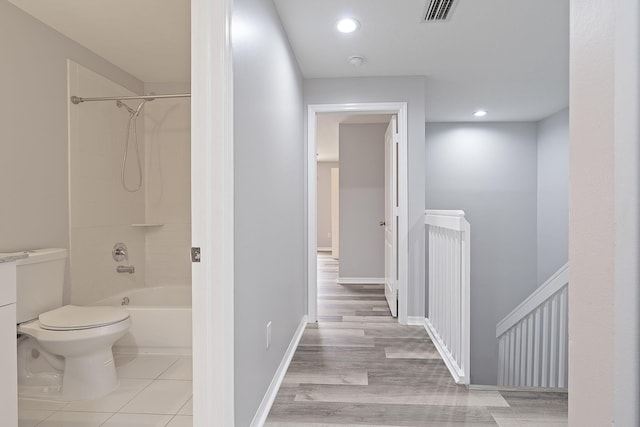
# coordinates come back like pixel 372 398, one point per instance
pixel 155 390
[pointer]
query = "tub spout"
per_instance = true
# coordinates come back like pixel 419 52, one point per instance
pixel 126 269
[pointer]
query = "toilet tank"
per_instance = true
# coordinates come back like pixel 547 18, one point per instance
pixel 39 281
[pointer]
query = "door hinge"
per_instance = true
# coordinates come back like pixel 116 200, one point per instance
pixel 195 254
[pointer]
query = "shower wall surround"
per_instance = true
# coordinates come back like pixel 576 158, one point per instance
pixel 100 210
pixel 168 186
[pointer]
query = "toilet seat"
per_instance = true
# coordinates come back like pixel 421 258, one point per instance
pixel 71 317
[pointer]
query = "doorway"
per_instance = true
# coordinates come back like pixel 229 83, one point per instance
pixel 398 269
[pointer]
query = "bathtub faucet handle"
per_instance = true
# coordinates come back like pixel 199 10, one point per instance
pixel 126 269
pixel 119 252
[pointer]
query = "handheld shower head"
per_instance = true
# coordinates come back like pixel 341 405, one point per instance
pixel 135 114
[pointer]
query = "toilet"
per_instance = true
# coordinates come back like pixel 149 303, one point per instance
pixel 64 351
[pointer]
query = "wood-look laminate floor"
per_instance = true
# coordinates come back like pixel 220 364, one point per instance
pixel 358 367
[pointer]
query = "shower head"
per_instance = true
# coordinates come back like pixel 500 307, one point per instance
pixel 144 101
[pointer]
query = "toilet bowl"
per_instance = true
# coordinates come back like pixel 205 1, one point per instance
pixel 84 337
pixel 64 351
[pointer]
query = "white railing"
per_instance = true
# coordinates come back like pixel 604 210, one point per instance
pixel 532 339
pixel 448 322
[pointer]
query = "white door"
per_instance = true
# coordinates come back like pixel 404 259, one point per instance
pixel 335 213
pixel 390 222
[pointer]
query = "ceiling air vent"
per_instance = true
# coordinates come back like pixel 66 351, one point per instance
pixel 439 10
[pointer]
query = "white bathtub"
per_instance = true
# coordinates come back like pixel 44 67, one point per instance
pixel 160 320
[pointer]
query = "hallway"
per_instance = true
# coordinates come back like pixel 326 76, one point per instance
pixel 358 367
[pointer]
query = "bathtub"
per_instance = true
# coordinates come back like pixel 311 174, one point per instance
pixel 160 320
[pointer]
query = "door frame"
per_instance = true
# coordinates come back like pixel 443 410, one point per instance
pixel 399 108
pixel 212 213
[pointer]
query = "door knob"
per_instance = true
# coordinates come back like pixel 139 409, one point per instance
pixel 382 223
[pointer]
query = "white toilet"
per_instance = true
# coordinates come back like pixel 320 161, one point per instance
pixel 64 352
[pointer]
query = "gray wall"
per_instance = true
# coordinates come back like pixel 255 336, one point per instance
pixel 269 200
pixel 361 200
pixel 553 194
pixel 391 89
pixel 489 171
pixel 34 139
pixel 324 203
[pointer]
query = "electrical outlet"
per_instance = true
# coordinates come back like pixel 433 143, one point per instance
pixel 329 235
pixel 269 334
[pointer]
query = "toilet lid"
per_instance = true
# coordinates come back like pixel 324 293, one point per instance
pixel 71 317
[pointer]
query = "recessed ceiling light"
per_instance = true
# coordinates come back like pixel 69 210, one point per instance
pixel 356 60
pixel 347 25
pixel 480 113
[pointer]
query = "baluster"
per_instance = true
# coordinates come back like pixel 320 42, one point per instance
pixel 456 301
pixel 430 274
pixel 545 345
pixel 434 261
pixel 507 358
pixel 516 368
pixel 445 305
pixel 501 360
pixel 452 261
pixel 439 264
pixel 512 357
pixel 505 368
pixel 553 344
pixel 465 296
pixel 536 348
pixel 562 341
pixel 439 287
pixel 530 351
pixel 432 270
pixel 452 272
pixel 523 354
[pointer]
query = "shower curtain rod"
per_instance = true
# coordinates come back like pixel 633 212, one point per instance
pixel 78 100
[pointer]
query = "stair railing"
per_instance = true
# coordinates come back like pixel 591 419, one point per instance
pixel 533 339
pixel 448 321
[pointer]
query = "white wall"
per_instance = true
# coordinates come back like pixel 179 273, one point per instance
pixel 35 208
pixel 553 194
pixel 626 404
pixel 604 298
pixel 269 199
pixel 592 234
pixel 324 203
pixel 391 89
pixel 168 186
pixel 100 210
pixel 361 201
pixel 489 171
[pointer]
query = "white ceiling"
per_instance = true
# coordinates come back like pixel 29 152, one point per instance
pixel 327 131
pixel 150 39
pixel 509 57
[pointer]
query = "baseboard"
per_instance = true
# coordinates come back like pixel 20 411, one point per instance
pixel 445 354
pixel 415 321
pixel 509 388
pixel 265 406
pixel 324 249
pixel 361 280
